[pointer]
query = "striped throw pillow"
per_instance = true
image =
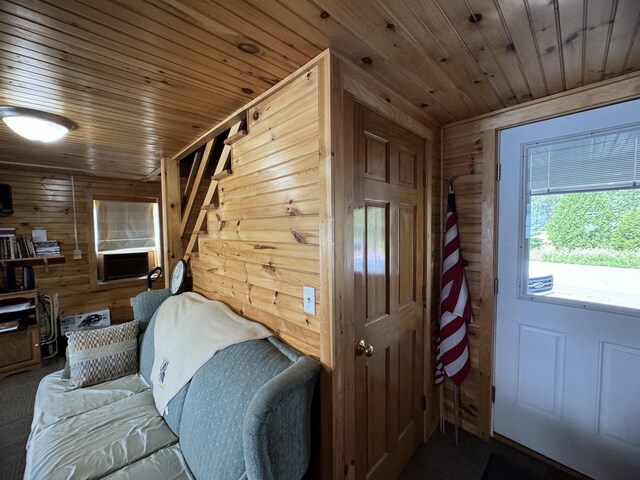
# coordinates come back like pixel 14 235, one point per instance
pixel 96 356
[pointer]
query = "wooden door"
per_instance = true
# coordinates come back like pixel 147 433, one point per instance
pixel 388 249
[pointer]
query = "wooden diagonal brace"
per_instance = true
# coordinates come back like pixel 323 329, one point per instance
pixel 222 162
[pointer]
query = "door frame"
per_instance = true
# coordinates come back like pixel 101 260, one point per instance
pixel 349 84
pixel 474 139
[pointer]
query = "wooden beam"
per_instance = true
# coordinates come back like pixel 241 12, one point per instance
pixel 69 170
pixel 204 162
pixel 172 239
pixel 222 161
pixel 192 172
pixel 153 176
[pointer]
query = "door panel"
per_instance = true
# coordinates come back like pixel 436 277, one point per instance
pixel 406 261
pixel 377 235
pixel 377 158
pixel 566 374
pixel 388 231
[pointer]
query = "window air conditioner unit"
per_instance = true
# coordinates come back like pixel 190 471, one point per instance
pixel 125 265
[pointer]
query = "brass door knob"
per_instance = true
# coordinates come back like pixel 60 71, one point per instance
pixel 362 347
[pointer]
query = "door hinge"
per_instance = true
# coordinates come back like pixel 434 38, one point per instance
pixel 424 295
pixel 495 286
pixel 493 394
pixel 498 172
pixel 424 402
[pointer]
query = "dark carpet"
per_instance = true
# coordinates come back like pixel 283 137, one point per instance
pixel 17 394
pixel 474 459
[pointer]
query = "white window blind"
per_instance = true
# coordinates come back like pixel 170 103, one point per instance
pixel 596 162
pixel 124 225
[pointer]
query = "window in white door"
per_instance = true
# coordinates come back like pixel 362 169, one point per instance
pixel 580 238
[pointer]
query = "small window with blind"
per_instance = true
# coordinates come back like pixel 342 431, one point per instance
pixel 581 235
pixel 127 237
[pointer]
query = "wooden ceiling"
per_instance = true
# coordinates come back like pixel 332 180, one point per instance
pixel 143 79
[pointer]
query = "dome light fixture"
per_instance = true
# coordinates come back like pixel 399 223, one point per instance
pixel 35 125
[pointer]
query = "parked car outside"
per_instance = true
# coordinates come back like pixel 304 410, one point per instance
pixel 540 279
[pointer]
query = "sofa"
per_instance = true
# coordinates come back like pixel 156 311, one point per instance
pixel 245 414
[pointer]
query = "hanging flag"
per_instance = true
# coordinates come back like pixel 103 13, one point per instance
pixel 452 351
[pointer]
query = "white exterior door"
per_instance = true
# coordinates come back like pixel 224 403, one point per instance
pixel 567 352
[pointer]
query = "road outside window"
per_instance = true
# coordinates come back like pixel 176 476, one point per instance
pixel 582 231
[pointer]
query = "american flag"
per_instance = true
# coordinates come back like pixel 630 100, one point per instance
pixel 452 353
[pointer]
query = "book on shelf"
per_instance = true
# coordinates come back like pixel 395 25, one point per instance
pixel 14 247
pixel 9 326
pixel 47 249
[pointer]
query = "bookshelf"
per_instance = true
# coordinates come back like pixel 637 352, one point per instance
pixel 20 349
pixel 46 261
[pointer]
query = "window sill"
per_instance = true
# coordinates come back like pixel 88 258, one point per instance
pixel 120 283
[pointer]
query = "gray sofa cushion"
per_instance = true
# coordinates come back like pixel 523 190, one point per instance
pixel 55 402
pixel 146 303
pixel 216 403
pixel 165 464
pixel 99 442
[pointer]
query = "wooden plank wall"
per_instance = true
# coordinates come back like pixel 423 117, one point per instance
pixel 262 244
pixel 44 200
pixel 470 160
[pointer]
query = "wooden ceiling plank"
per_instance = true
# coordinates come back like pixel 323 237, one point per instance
pixel 125 114
pixel 106 96
pixel 18 61
pixel 624 30
pixel 236 17
pixel 206 16
pixel 458 63
pixel 245 15
pixel 599 17
pixel 151 44
pixel 159 22
pixel 572 28
pixel 63 24
pixel 61 54
pixel 546 32
pixel 470 33
pixel 284 15
pixel 306 17
pixel 423 69
pixel 517 25
pixel 19 79
pixel 499 43
pixel 20 28
pixel 383 67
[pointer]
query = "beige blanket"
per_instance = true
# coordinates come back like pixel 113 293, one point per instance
pixel 189 330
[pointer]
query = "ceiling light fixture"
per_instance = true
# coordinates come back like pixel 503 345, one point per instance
pixel 36 125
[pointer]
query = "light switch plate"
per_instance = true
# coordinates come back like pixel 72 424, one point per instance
pixel 309 300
